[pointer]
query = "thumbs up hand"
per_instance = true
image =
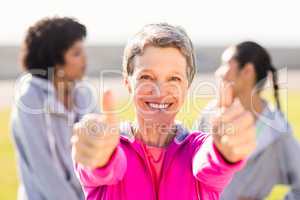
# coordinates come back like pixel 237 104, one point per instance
pixel 96 136
pixel 233 128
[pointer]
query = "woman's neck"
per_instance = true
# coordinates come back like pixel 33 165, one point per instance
pixel 155 134
pixel 64 90
pixel 252 102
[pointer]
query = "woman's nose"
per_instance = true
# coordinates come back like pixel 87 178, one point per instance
pixel 165 88
pixel 159 88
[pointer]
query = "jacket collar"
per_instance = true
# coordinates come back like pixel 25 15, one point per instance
pixel 270 126
pixel 126 131
pixel 52 104
pixel 43 84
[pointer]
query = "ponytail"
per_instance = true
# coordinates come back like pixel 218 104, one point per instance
pixel 275 86
pixel 251 52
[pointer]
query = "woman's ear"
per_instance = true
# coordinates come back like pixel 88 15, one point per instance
pixel 126 82
pixel 249 72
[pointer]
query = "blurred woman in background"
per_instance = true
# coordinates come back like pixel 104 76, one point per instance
pixel 49 99
pixel 245 67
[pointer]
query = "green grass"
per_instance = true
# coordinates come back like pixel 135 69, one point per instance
pixel 8 174
pixel 8 177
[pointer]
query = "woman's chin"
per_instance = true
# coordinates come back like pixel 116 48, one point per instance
pixel 158 117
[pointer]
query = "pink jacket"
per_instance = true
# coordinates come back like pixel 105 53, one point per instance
pixel 193 169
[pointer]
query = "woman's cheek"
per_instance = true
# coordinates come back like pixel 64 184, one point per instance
pixel 180 92
pixel 144 88
pixel 181 98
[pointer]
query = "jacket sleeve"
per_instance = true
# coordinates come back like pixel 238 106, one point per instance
pixel 110 174
pixel 291 171
pixel 209 167
pixel 29 133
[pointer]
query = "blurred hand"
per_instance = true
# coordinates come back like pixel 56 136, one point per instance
pixel 233 128
pixel 96 136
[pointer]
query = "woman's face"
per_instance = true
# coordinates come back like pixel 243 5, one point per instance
pixel 75 62
pixel 159 84
pixel 229 72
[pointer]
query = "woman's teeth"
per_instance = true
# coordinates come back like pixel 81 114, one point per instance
pixel 159 105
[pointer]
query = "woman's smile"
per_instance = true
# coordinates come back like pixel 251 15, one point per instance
pixel 158 106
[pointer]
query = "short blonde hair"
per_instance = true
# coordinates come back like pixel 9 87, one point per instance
pixel 160 35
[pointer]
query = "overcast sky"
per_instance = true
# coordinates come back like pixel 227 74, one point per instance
pixel 209 22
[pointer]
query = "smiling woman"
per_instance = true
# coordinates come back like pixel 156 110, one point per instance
pixel 157 158
pixel 159 84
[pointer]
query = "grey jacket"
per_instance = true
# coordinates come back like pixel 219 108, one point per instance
pixel 275 160
pixel 41 129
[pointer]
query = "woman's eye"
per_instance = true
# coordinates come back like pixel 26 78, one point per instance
pixel 145 77
pixel 175 78
pixel 77 53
